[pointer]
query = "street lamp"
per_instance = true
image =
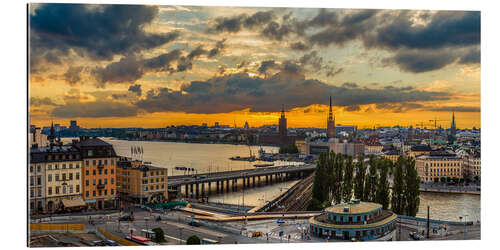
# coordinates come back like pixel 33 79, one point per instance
pixel 465 223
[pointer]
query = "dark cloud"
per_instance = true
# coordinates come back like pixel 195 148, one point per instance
pixel 97 31
pixel 312 59
pixel 135 89
pixel 37 102
pixel 276 31
pixel 236 23
pixel 472 56
pixel 73 75
pixel 399 107
pixel 100 108
pixel 352 108
pixel 455 109
pixel 421 61
pixel 331 71
pixel 219 46
pixel 350 85
pixel 239 91
pixel 266 65
pixel 301 46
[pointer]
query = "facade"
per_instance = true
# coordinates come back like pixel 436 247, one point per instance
pixel 431 168
pixel 333 144
pixel 37 194
pixel 330 123
pixel 301 145
pixel 472 165
pixel 58 176
pixel 139 182
pixel 418 150
pixel 373 148
pixel 99 172
pixel 392 155
pixel 359 220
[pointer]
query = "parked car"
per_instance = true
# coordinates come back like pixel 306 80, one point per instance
pixel 126 218
pixel 111 243
pixel 416 236
pixel 194 223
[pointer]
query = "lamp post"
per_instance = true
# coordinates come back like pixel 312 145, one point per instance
pixel 465 223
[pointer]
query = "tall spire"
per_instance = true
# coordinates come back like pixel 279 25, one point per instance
pixel 282 110
pixel 330 113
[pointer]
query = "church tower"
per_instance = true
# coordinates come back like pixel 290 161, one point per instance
pixel 453 125
pixel 282 126
pixel 330 123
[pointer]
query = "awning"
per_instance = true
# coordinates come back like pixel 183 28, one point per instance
pixel 74 203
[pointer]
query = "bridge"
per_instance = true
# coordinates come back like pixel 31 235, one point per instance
pixel 196 185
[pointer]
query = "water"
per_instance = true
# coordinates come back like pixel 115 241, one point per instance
pixel 215 157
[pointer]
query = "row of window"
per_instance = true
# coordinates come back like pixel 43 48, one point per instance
pixel 63 166
pixel 99 192
pixel 440 164
pixel 441 171
pixel 358 233
pixel 38 180
pixel 70 177
pixel 152 173
pixel 64 189
pixel 63 157
pixel 153 181
pixel 153 187
pixel 112 180
pixel 32 192
pixel 100 171
pixel 99 162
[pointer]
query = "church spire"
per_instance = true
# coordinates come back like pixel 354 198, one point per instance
pixel 282 110
pixel 330 113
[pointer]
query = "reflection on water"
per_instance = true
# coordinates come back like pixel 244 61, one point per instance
pixel 253 197
pixel 450 206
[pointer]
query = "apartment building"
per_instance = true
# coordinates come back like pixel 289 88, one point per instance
pixel 439 164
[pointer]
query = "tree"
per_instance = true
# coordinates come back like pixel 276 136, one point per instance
pixel 371 181
pixel 320 184
pixel 348 180
pixel 398 203
pixel 442 179
pixel 159 235
pixel 412 187
pixel 193 240
pixel 314 205
pixel 382 193
pixel 359 181
pixel 338 167
pixel 289 149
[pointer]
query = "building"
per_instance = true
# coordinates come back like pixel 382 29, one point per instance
pixel 330 123
pixel 453 130
pixel 392 155
pixel 58 177
pixel 345 129
pixel 280 139
pixel 472 165
pixel 355 220
pixel 319 145
pixel 140 182
pixel 98 171
pixel 417 150
pixel 301 145
pixel 282 125
pixel 36 137
pixel 73 126
pixel 432 167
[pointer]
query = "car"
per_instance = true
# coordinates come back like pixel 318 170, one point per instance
pixel 416 236
pixel 110 243
pixel 126 218
pixel 194 223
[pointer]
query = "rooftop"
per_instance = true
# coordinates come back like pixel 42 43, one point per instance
pixel 354 208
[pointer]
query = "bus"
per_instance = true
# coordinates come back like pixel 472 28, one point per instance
pixel 206 241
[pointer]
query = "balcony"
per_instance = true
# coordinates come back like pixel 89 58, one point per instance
pixel 100 186
pixel 100 166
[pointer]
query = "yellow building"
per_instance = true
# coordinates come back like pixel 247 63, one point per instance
pixel 301 145
pixel 418 150
pixel 139 182
pixel 436 165
pixel 61 179
pixel 472 165
pixel 392 155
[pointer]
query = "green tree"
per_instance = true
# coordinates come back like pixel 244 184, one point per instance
pixel 338 167
pixel 398 203
pixel 382 195
pixel 289 149
pixel 348 179
pixel 359 181
pixel 159 235
pixel 314 205
pixel 371 182
pixel 193 240
pixel 412 187
pixel 320 184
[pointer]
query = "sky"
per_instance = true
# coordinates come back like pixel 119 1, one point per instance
pixel 156 66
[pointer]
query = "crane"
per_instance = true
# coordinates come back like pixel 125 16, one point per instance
pixel 435 122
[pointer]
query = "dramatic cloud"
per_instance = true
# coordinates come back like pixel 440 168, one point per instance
pixel 37 102
pixel 98 31
pixel 135 89
pixel 301 46
pixel 72 75
pixel 239 91
pixel 95 109
pixel 455 109
pixel 236 23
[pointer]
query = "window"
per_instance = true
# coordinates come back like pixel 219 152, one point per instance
pixel 100 192
pixel 93 182
pixel 70 176
pixel 71 189
pixel 87 172
pixel 93 172
pixel 87 162
pixel 77 165
pixel 90 153
pixel 93 162
pixel 49 167
pixel 63 166
pixel 39 180
pixel 100 162
pixel 86 182
pixel 70 165
pixel 57 190
pixel 77 188
pixel 106 162
pixel 112 181
pixel 49 178
pixel 112 161
pixel 105 171
pixel 100 171
pixel 100 181
pixel 50 190
pixel 112 191
pixel 31 169
pixel 64 177
pixel 77 176
pixel 64 189
pixel 93 193
pixel 112 171
pixel 38 168
pixel 32 193
pixel 162 186
pixel 106 181
pixel 87 193
pixel 105 192
pixel 57 177
pixel 56 166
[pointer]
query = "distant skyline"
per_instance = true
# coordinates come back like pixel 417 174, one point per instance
pixel 153 66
